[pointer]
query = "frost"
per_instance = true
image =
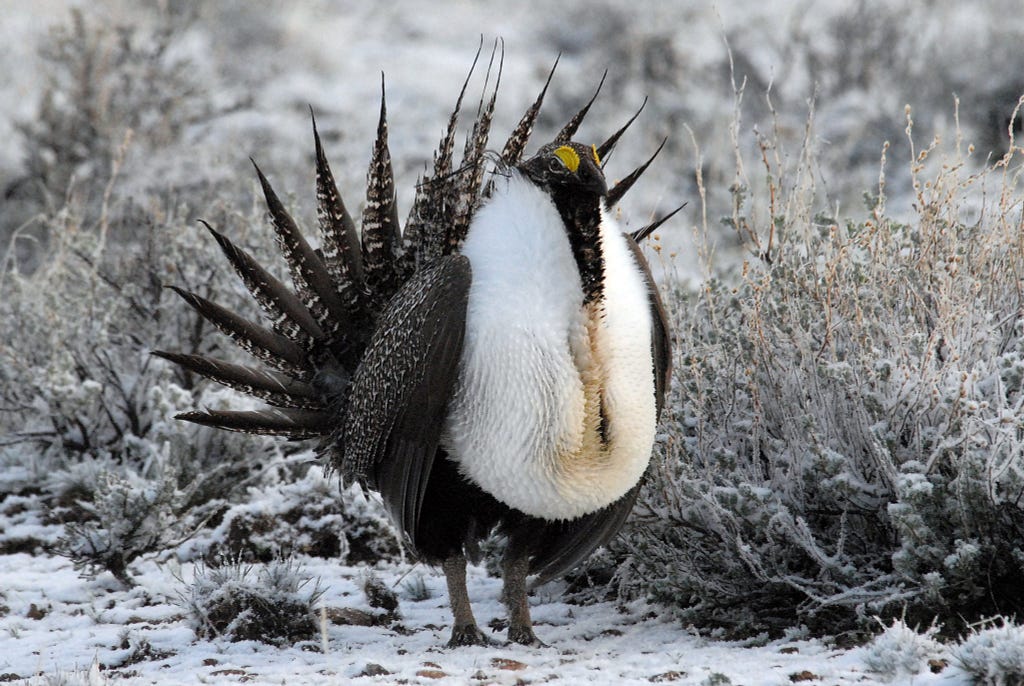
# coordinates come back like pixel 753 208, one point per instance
pixel 902 651
pixel 124 518
pixel 272 603
pixel 841 437
pixel 994 654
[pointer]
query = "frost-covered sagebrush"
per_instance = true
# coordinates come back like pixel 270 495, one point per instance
pixel 86 412
pixel 993 654
pixel 126 518
pixel 272 603
pixel 845 433
pixel 304 514
pixel 901 651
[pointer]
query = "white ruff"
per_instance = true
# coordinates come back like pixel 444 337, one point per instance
pixel 519 424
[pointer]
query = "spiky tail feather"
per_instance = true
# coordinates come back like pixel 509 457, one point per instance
pixel 319 329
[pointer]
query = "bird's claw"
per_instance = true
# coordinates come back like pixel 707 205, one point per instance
pixel 523 635
pixel 468 635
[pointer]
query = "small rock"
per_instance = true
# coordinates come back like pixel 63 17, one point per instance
pixel 789 650
pixel 35 612
pixel 803 676
pixel 507 664
pixel 937 665
pixel 373 669
pixel 431 674
pixel 401 629
pixel 380 596
pixel 670 675
pixel 350 616
pixel 210 662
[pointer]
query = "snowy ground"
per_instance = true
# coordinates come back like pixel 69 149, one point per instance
pixel 56 622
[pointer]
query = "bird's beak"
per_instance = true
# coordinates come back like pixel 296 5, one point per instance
pixel 598 185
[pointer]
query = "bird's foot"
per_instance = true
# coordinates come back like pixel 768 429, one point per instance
pixel 523 635
pixel 468 635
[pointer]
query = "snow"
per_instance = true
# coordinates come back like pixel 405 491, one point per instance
pixel 77 621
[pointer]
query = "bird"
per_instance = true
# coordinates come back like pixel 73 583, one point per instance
pixel 496 364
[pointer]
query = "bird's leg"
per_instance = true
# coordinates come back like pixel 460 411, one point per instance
pixel 464 629
pixel 520 626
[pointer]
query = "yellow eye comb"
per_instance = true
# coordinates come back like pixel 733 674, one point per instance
pixel 569 158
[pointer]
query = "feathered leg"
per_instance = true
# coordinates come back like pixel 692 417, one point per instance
pixel 464 629
pixel 516 568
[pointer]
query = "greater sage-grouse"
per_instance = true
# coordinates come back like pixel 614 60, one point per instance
pixel 498 363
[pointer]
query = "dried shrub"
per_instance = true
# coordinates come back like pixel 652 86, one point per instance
pixel 102 82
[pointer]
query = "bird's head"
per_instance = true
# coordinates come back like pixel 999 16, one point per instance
pixel 572 169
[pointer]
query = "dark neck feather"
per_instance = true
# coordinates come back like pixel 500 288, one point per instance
pixel 581 215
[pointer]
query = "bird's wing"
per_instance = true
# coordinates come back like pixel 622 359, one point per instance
pixel 400 392
pixel 565 545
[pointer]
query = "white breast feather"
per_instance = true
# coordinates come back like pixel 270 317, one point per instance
pixel 516 421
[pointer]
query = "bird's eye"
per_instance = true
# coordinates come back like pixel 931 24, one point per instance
pixel 556 166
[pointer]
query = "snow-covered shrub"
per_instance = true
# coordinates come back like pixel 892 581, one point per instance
pixel 109 93
pixel 994 654
pixel 901 651
pixel 416 589
pixel 78 677
pixel 309 515
pixel 272 603
pixel 378 595
pixel 76 377
pixel 84 407
pixel 843 436
pixel 79 389
pixel 125 519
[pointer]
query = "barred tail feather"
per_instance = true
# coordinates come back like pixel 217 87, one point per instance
pixel 622 187
pixel 573 125
pixel 269 347
pixel 275 389
pixel 342 254
pixel 381 229
pixel 288 316
pixel 309 275
pixel 512 153
pixel 472 176
pixel 436 197
pixel 295 424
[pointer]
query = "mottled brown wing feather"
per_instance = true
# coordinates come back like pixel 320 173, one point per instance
pixel 400 391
